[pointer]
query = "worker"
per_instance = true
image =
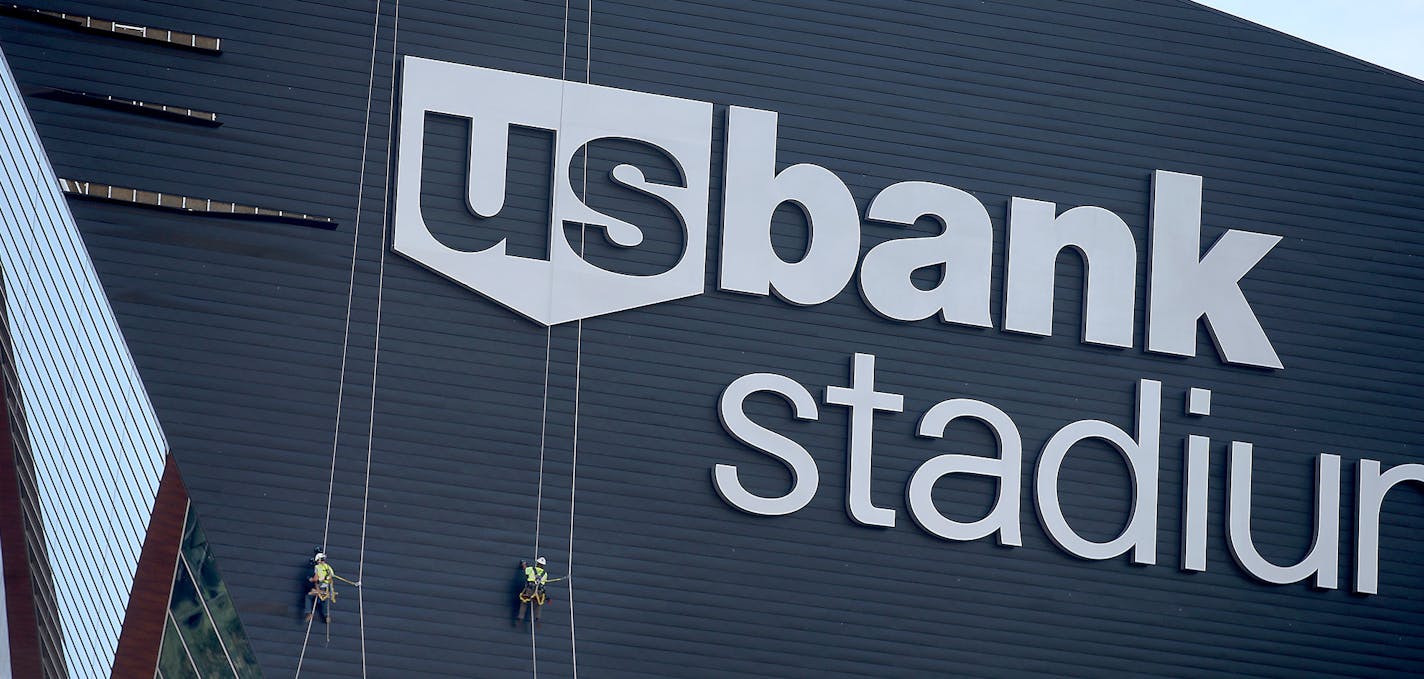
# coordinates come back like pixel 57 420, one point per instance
pixel 321 589
pixel 533 595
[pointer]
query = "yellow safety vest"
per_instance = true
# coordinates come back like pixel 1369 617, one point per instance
pixel 535 575
pixel 323 573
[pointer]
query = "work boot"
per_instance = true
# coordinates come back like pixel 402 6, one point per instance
pixel 328 620
pixel 308 618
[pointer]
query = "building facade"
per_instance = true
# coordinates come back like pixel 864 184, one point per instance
pixel 801 338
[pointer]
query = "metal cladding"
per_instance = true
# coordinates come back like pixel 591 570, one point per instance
pixel 90 431
pixel 809 339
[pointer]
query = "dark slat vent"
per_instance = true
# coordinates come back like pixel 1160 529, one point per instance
pixel 190 204
pixel 178 113
pixel 165 36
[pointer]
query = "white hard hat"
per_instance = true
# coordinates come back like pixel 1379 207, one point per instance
pixel 541 561
pixel 320 556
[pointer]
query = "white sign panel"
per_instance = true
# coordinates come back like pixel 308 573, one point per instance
pixel 564 287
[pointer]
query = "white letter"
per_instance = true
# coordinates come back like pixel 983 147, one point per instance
pixel 1140 534
pixel 1194 502
pixel 965 249
pixel 1323 558
pixel 1195 488
pixel 753 190
pixel 863 400
pixel 1186 286
pixel 804 475
pixel 1004 517
pixel 1109 257
pixel 1372 488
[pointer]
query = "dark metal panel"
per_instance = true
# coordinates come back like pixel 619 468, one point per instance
pixel 238 330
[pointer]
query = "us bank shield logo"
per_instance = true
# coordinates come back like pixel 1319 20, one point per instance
pixel 564 287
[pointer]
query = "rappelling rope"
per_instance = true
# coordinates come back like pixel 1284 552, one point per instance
pixel 376 354
pixel 346 333
pixel 548 341
pixel 578 353
pixel 543 432
pixel 539 501
pixel 578 364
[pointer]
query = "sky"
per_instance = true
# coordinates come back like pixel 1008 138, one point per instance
pixel 1386 32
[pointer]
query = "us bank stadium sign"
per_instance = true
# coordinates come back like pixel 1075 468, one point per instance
pixel 1185 288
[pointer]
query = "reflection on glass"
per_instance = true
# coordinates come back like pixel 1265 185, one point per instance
pixel 204 616
pixel 220 607
pixel 172 659
pixel 197 629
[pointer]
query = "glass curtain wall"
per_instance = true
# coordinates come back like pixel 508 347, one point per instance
pixel 203 636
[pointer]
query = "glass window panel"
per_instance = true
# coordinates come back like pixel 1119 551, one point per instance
pixel 215 595
pixel 196 628
pixel 172 660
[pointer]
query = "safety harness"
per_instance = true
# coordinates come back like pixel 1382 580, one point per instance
pixel 534 587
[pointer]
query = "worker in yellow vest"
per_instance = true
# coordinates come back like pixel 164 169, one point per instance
pixel 533 595
pixel 321 590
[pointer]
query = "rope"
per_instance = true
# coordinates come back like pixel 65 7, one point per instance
pixel 376 355
pixel 543 433
pixel 539 501
pixel 578 354
pixel 346 333
pixel 578 366
pixel 548 347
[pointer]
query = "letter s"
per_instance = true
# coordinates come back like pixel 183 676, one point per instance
pixel 805 477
